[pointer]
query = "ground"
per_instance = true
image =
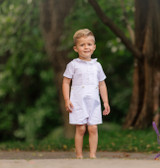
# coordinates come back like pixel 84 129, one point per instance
pixel 23 159
pixel 27 155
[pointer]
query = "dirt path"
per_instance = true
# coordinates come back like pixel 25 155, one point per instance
pixel 71 155
pixel 21 159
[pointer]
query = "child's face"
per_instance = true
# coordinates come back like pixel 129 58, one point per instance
pixel 85 47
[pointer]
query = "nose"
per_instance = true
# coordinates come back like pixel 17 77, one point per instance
pixel 86 46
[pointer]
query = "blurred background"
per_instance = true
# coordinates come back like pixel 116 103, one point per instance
pixel 35 46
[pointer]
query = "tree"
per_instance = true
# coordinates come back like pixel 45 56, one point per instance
pixel 53 14
pixel 144 106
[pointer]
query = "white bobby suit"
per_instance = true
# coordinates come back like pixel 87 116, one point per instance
pixel 84 95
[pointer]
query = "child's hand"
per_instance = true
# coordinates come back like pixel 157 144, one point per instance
pixel 68 106
pixel 106 109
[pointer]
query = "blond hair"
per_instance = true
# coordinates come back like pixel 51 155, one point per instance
pixel 82 33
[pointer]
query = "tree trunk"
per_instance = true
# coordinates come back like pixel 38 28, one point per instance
pixel 145 101
pixel 53 13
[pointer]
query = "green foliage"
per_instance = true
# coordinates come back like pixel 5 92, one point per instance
pixel 29 108
pixel 114 138
pixel 28 98
pixel 111 138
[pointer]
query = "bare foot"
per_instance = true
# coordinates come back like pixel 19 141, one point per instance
pixel 79 157
pixel 92 157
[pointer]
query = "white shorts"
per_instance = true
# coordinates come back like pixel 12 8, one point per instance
pixel 86 105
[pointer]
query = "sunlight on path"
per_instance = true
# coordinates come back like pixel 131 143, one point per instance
pixel 75 163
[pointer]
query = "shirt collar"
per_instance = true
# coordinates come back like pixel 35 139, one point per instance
pixel 88 62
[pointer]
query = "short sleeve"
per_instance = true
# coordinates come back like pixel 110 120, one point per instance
pixel 101 74
pixel 69 70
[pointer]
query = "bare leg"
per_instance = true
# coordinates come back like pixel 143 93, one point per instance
pixel 93 140
pixel 80 130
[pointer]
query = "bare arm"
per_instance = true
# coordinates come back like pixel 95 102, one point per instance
pixel 66 91
pixel 104 96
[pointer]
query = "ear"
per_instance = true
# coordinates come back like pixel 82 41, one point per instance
pixel 75 48
pixel 94 46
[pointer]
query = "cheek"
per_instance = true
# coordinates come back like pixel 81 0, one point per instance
pixel 93 49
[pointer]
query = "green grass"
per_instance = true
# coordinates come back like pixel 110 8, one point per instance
pixel 114 138
pixel 111 138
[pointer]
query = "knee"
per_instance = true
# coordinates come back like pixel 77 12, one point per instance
pixel 92 129
pixel 81 130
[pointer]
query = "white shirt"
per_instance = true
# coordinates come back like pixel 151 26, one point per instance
pixel 84 72
pixel 84 96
